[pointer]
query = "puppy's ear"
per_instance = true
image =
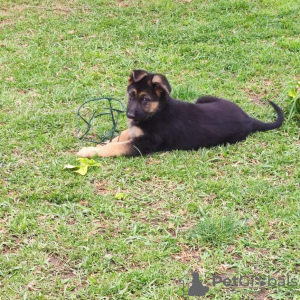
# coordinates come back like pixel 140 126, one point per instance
pixel 136 75
pixel 161 85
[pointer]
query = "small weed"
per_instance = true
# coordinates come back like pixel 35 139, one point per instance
pixel 294 96
pixel 215 231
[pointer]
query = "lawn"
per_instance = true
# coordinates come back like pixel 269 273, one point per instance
pixel 132 227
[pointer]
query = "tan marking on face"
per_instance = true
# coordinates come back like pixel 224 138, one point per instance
pixel 136 132
pixel 153 106
pixel 142 94
pixel 158 92
pixel 132 90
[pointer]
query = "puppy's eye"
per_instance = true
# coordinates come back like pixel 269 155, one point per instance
pixel 131 96
pixel 145 100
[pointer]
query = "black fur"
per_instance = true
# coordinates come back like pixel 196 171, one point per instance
pixel 181 125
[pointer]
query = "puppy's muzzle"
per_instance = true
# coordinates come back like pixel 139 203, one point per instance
pixel 131 116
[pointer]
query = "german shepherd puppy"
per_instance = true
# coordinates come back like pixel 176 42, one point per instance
pixel 158 122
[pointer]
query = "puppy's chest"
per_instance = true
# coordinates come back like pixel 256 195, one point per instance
pixel 135 132
pixel 157 133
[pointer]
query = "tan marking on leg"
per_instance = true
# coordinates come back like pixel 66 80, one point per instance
pixel 88 152
pixel 111 149
pixel 136 132
pixel 123 137
pixel 116 149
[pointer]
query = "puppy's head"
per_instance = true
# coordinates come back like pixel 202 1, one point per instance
pixel 146 93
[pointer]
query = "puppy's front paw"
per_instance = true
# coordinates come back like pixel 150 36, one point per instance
pixel 88 152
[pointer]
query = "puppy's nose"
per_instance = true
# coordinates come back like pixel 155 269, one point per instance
pixel 130 115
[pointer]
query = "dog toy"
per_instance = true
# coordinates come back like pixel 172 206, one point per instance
pixel 89 113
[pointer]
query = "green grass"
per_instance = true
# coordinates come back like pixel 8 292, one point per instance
pixel 66 236
pixel 214 230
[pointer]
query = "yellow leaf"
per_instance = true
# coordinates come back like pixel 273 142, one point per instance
pixel 82 170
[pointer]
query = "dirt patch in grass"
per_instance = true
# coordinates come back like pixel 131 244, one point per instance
pixel 187 254
pixel 7 250
pixel 110 227
pixel 55 262
pixel 57 8
pixel 225 271
pixel 59 266
pixel 262 295
pixel 130 263
pixel 255 97
pixel 152 161
pixel 123 3
pixel 101 187
pixel 7 22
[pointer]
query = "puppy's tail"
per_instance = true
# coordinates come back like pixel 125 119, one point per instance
pixel 261 126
